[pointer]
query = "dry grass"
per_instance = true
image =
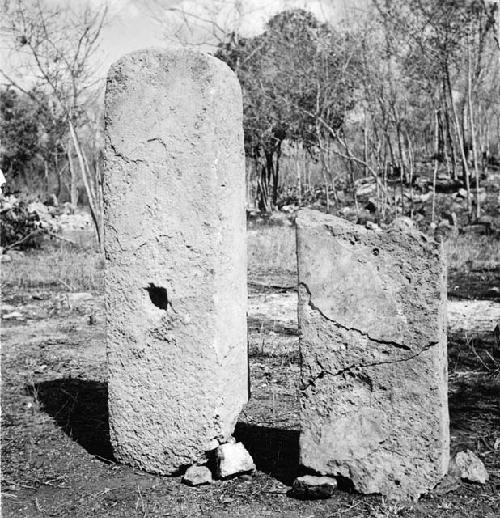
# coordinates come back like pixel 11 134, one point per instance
pixel 464 249
pixel 272 248
pixel 68 269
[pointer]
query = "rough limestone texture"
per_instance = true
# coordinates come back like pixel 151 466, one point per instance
pixel 470 467
pixel 197 476
pixel 372 317
pixel 175 243
pixel 233 459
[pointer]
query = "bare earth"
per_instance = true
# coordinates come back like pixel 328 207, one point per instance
pixel 56 457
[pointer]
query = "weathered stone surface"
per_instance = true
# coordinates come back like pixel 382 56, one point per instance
pixel 372 317
pixel 232 459
pixel 175 245
pixel 197 475
pixel 310 487
pixel 469 467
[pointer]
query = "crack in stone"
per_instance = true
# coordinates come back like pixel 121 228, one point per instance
pixel 345 328
pixel 158 139
pixel 123 157
pixel 325 371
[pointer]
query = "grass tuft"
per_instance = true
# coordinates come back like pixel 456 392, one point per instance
pixel 67 269
pixel 465 249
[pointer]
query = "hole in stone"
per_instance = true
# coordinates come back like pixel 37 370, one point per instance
pixel 375 251
pixel 158 296
pixel 397 482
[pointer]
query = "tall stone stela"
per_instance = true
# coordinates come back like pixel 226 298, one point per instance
pixel 175 244
pixel 372 318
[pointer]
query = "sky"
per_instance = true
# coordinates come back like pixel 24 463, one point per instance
pixel 138 24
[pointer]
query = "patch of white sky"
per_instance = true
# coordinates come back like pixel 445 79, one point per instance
pixel 137 24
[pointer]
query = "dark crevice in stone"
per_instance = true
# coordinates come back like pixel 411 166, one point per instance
pixel 158 139
pixel 158 296
pixel 123 157
pixel 345 328
pixel 325 372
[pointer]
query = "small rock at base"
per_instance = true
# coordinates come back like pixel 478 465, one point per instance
pixel 310 487
pixel 373 226
pixel 402 223
pixel 470 467
pixel 197 475
pixel 233 458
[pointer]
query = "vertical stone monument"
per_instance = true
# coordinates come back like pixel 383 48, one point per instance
pixel 372 318
pixel 175 244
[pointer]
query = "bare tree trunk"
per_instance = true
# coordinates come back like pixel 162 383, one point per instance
pixel 401 166
pixel 59 182
pixel 324 167
pixel 59 172
pixel 46 175
pixel 449 135
pixel 411 173
pixel 465 131
pixel 486 152
pixel 297 169
pixel 436 163
pixel 73 188
pixel 262 188
pixel 446 154
pixel 92 186
pixel 472 130
pixel 460 142
pixel 365 145
pixel 275 173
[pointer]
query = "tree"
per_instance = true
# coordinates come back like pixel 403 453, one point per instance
pixel 294 75
pixel 32 153
pixel 443 47
pixel 55 47
pixel 21 137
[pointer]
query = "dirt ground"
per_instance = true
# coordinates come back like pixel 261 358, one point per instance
pixel 56 456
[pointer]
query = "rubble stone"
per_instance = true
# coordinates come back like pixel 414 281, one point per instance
pixel 232 459
pixel 470 467
pixel 197 475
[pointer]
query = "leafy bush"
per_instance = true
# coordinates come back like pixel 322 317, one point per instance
pixel 20 227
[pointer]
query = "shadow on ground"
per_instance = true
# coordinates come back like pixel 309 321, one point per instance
pixel 275 451
pixel 474 285
pixel 474 405
pixel 80 408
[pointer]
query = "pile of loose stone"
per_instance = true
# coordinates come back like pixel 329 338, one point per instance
pixel 231 459
pixel 372 305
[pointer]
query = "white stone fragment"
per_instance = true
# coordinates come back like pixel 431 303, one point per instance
pixel 470 467
pixel 232 459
